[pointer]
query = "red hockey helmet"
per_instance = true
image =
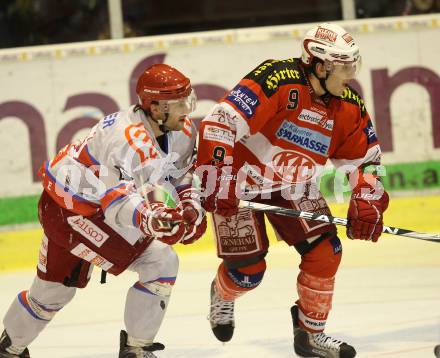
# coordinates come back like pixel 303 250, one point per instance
pixel 167 86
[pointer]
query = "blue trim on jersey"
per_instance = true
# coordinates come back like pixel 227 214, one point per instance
pixel 91 156
pixel 134 217
pixel 113 188
pixel 122 196
pixel 64 188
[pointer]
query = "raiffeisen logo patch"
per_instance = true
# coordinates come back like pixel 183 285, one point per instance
pixel 244 99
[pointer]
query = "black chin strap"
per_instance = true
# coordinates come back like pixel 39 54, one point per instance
pixel 322 81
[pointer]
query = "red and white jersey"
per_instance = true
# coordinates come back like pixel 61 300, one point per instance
pixel 106 169
pixel 280 133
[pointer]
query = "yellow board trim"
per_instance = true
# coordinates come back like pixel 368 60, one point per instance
pixel 19 249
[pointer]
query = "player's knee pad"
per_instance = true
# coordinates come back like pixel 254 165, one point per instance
pixel 169 263
pixel 232 282
pixel 246 273
pixel 45 298
pixel 160 287
pixel 157 271
pixel 36 309
pixel 324 258
pixel 159 260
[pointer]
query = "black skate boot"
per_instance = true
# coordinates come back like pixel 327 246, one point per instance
pixel 221 316
pixel 5 342
pixel 307 344
pixel 437 351
pixel 137 352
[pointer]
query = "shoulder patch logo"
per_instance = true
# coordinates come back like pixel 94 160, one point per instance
pixel 244 99
pixel 370 132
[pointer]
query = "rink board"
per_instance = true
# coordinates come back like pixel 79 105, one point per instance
pixel 19 249
pixel 76 84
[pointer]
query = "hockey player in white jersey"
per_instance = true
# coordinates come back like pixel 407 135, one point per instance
pixel 98 208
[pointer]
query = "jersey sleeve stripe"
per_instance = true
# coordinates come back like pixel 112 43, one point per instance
pixel 63 187
pixel 113 195
pixel 92 158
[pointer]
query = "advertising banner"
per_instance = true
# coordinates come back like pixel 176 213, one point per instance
pixel 51 95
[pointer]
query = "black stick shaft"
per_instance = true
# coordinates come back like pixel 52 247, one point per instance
pixel 335 220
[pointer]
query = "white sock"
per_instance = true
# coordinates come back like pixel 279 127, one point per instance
pixel 17 350
pixel 138 342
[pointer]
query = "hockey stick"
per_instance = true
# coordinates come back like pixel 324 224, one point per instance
pixel 334 220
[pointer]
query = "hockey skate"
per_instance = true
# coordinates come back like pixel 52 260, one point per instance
pixel 137 352
pixel 5 342
pixel 437 351
pixel 307 344
pixel 221 316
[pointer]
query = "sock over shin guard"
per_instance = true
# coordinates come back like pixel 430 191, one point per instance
pixel 315 301
pixel 32 310
pixel 315 283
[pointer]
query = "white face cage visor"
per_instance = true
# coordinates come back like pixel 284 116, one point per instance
pixel 344 70
pixel 181 106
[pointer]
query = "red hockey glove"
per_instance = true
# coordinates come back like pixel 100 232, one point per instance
pixel 365 213
pixel 222 198
pixel 162 222
pixel 193 214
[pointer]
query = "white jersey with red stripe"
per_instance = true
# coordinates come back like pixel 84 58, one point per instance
pixel 107 169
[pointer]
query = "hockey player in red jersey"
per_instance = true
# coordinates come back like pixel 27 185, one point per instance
pixel 268 140
pixel 100 208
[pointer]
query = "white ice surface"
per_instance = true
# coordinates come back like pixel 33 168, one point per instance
pixel 391 312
